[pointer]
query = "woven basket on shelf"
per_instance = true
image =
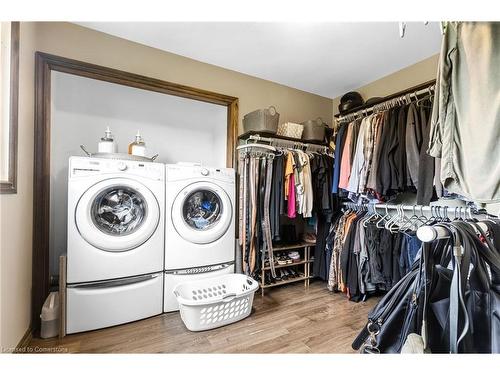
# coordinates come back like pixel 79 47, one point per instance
pixel 290 129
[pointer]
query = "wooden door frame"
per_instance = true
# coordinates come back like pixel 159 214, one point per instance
pixel 9 186
pixel 44 65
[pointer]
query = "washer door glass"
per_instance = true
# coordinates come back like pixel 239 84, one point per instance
pixel 202 212
pixel 119 210
pixel 117 214
pixel 202 209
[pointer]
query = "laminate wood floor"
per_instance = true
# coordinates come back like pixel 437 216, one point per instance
pixel 289 319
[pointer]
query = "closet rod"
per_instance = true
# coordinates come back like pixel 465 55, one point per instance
pixel 278 141
pixel 426 233
pixel 429 233
pixel 394 97
pixel 416 207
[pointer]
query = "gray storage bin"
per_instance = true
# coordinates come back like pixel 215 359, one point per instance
pixel 314 130
pixel 261 120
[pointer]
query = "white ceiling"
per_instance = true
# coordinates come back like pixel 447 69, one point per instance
pixel 327 59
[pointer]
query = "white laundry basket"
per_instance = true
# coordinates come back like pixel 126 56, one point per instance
pixel 214 302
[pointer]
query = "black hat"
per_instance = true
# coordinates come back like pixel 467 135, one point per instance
pixel 375 99
pixel 349 101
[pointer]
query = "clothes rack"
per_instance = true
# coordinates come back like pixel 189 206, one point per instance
pixel 426 233
pixel 389 101
pixel 288 143
pixel 282 180
pixel 460 210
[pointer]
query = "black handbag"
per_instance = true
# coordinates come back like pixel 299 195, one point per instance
pixel 452 299
pixel 394 317
pixel 467 320
pixel 483 297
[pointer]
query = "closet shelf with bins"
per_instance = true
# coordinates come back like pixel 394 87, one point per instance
pixel 269 137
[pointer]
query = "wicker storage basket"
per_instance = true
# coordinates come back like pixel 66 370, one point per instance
pixel 314 130
pixel 261 120
pixel 291 130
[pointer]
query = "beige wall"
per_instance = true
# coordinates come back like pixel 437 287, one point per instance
pixel 91 46
pixel 16 212
pixel 420 72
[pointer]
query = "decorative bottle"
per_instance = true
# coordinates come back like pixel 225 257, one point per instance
pixel 107 143
pixel 138 147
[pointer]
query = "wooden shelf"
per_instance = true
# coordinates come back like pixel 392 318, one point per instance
pixel 288 265
pixel 300 245
pixel 305 262
pixel 289 281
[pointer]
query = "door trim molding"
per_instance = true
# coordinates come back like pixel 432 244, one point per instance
pixel 45 64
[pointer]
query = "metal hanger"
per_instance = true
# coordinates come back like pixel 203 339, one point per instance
pixel 383 218
pixel 388 223
pixel 373 214
pixel 446 219
pixel 431 219
pixel 411 221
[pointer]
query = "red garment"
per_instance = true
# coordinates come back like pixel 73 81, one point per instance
pixel 291 212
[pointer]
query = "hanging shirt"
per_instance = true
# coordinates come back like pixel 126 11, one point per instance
pixel 465 126
pixel 299 181
pixel 307 197
pixel 426 162
pixel 290 185
pixel 291 211
pixel 368 149
pixel 414 135
pixel 277 206
pixel 288 173
pixel 357 163
pixel 372 176
pixel 339 144
pixel 345 164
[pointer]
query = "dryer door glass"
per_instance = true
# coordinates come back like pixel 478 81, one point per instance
pixel 118 210
pixel 202 209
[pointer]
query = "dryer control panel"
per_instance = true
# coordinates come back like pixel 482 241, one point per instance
pixel 87 166
pixel 176 172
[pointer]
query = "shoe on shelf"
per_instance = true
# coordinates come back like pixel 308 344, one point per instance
pixel 282 260
pixel 278 276
pixel 309 238
pixel 284 274
pixel 294 256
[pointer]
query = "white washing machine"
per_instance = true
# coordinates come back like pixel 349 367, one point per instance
pixel 115 242
pixel 199 225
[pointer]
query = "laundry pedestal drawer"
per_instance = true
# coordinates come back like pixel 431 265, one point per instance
pixel 107 303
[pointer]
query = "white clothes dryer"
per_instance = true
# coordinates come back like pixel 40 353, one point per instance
pixel 115 241
pixel 199 216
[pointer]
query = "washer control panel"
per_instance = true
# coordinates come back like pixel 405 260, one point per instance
pixel 85 166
